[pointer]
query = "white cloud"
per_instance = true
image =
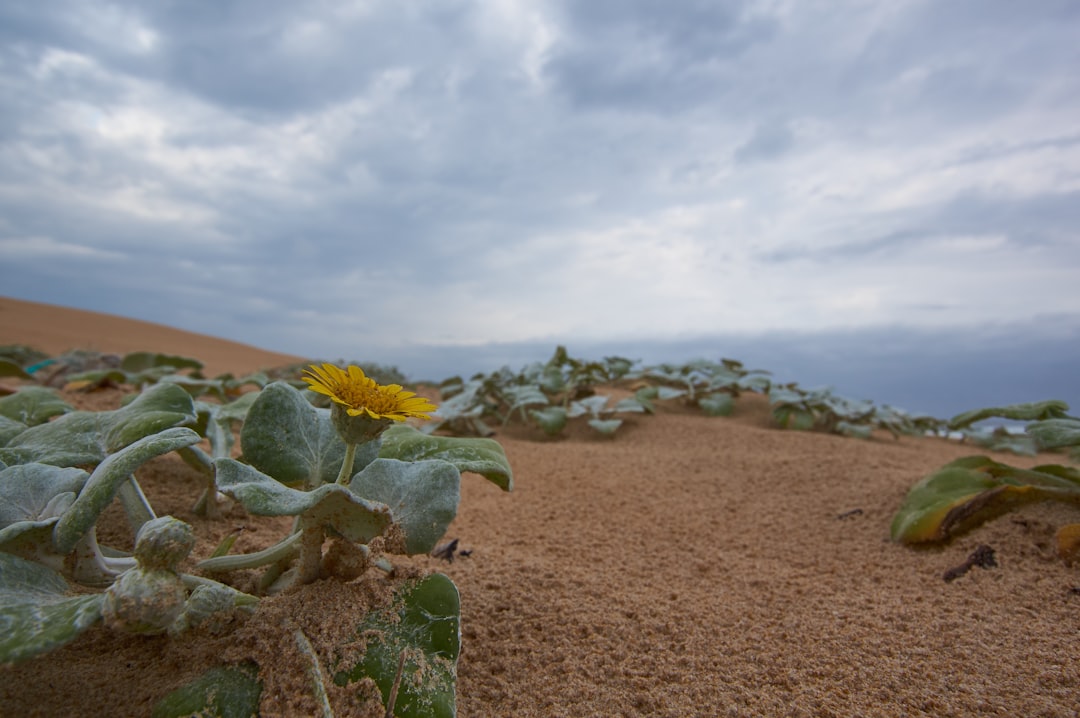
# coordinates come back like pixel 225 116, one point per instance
pixel 21 248
pixel 513 170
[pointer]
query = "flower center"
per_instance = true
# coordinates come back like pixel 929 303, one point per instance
pixel 366 397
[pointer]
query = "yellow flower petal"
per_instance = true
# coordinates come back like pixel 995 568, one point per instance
pixel 361 395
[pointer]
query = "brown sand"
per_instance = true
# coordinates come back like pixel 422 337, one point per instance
pixel 690 567
pixel 54 330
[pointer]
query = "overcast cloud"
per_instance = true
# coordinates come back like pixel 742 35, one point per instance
pixel 371 179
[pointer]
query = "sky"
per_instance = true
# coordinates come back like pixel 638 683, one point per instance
pixel 879 196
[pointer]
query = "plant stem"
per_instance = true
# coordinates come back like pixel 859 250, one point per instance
pixel 346 464
pixel 318 680
pixel 135 505
pixel 282 550
pixel 311 541
pixel 392 700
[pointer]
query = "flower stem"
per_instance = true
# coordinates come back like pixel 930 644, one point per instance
pixel 346 464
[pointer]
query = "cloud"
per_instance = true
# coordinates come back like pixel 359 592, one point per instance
pixel 769 141
pixel 347 178
pixel 13 248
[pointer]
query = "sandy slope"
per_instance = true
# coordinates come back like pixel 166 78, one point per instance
pixel 54 329
pixel 690 567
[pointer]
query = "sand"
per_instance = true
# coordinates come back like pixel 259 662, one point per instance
pixel 692 566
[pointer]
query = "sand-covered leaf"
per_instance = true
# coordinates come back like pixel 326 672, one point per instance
pixel 87 437
pixel 36 613
pixel 424 625
pixel 969 491
pixel 222 692
pixel 353 516
pixel 479 456
pixel 423 497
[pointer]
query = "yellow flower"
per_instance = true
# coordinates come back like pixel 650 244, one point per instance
pixel 359 395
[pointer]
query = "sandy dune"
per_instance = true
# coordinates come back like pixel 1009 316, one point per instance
pixel 690 567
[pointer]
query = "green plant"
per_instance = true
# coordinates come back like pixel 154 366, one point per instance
pixel 353 474
pixel 551 394
pixel 402 486
pixel 50 508
pixel 972 490
pixel 820 409
pixel 710 386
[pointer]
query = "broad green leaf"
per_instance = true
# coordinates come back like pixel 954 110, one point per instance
pixel 104 482
pixel 757 383
pixel 466 403
pixel 86 438
pixel 141 361
pixel 1056 433
pixel 479 456
pixel 423 497
pixel 718 404
pixel 630 405
pixel 857 431
pixel 645 396
pixel 96 378
pixel 1035 411
pixel 618 367
pixel 424 624
pixel 33 405
pixel 1002 440
pixel 969 491
pixel 791 418
pixel 334 505
pixel 525 395
pixel 287 438
pixel 664 393
pixel 36 614
pixel 10 368
pixel 9 429
pixel 607 427
pixel 551 378
pixel 195 386
pixel 551 419
pixel 35 495
pixel 593 405
pixel 786 395
pixel 222 692
pixel 238 410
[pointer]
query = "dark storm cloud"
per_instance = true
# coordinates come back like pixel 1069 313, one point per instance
pixel 380 177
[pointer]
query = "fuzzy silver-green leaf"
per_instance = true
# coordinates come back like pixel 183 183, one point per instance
pixel 36 614
pixel 479 456
pixel 423 497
